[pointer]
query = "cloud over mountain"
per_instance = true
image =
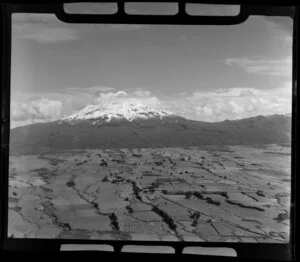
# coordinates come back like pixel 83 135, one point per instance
pixel 34 111
pixel 211 106
pixel 232 103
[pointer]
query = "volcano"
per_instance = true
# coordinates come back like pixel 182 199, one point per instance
pixel 129 125
pixel 117 111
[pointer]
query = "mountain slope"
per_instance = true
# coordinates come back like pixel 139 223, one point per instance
pixel 128 129
pixel 116 111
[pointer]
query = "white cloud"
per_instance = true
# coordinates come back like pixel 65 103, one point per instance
pixel 233 103
pixel 135 96
pixel 93 89
pixel 142 93
pixel 281 27
pixel 235 107
pixel 105 98
pixel 274 67
pixel 42 28
pixel 35 111
pixel 236 92
pixel 47 28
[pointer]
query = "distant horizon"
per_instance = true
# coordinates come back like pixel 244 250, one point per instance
pixel 202 73
pixel 60 119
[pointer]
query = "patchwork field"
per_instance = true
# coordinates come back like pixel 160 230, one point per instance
pixel 231 194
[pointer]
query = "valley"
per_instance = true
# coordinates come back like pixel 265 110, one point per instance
pixel 237 193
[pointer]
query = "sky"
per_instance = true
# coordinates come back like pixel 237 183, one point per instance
pixel 205 73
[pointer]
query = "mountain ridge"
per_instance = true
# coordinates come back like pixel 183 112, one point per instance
pixel 156 129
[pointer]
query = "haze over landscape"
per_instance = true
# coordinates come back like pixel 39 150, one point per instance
pixel 150 132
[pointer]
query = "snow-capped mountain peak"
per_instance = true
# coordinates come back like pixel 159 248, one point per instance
pixel 126 110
